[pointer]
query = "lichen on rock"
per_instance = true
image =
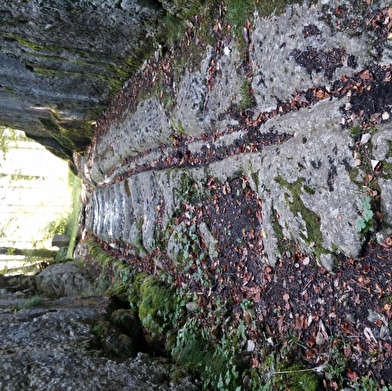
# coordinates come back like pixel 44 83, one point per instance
pixel 307 178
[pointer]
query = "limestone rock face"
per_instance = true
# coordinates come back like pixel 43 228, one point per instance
pixel 311 181
pixel 62 62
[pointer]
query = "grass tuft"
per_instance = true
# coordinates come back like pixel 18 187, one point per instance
pixel 32 302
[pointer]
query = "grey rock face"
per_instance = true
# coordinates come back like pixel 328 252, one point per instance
pixel 64 279
pixel 306 182
pixel 48 349
pixel 382 151
pixel 310 186
pixel 69 344
pixel 280 43
pixel 63 61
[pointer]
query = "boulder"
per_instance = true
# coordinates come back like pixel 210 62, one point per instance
pixel 64 279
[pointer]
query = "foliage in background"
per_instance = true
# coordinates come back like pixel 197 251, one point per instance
pixel 76 204
pixel 8 137
pixel 68 223
pixel 58 226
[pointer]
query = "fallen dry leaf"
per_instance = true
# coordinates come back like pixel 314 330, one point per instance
pixel 352 375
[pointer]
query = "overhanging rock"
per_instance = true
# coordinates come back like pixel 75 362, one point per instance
pixel 62 62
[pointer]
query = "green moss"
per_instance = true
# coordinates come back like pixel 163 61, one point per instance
pixel 298 378
pixel 178 127
pixel 254 175
pixel 355 131
pixel 119 290
pixel 157 302
pixel 134 291
pixel 246 95
pixel 32 302
pixel 55 130
pixel 189 348
pixel 100 254
pixel 389 153
pixel 386 300
pixel 274 374
pixel 174 27
pixel 278 7
pixel 111 270
pixel 114 73
pixel 255 178
pixel 313 236
pixel 239 11
pixel 278 231
pixel 73 136
pixel 309 190
pixel 30 44
pixel 100 329
pixel 112 83
pixel 386 170
pixel 51 49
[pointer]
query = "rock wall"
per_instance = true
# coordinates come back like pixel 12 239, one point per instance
pixel 289 119
pixel 62 62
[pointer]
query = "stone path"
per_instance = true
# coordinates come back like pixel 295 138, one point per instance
pixel 298 157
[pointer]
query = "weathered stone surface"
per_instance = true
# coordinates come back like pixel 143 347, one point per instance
pixel 70 343
pixel 64 279
pixel 382 151
pixel 15 283
pixel 277 56
pixel 48 349
pixel 54 85
pixel 306 182
pixel 310 185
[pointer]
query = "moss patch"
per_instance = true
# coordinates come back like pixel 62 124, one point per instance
pixel 389 153
pixel 157 303
pixel 386 170
pixel 75 137
pixel 313 236
pixel 297 378
pixel 355 131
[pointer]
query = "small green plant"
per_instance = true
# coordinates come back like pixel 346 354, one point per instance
pixel 32 302
pixel 99 329
pixel 246 95
pixel 178 127
pixel 364 224
pixel 337 362
pixel 58 226
pixel 247 304
pixel 367 383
